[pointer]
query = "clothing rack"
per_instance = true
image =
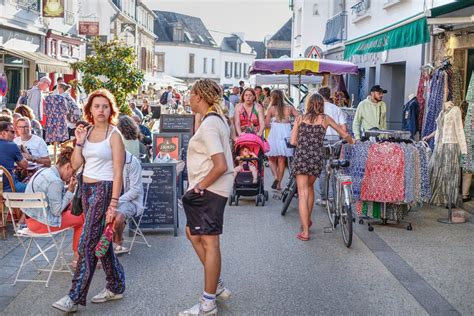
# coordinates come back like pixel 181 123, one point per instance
pixel 388 133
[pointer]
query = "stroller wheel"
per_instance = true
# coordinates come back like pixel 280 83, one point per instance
pixel 257 200
pixel 263 200
pixel 236 200
pixel 266 195
pixel 231 199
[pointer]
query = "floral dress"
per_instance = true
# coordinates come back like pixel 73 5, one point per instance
pixel 309 152
pixel 56 119
pixel 249 123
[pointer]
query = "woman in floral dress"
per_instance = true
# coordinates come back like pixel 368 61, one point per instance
pixel 308 136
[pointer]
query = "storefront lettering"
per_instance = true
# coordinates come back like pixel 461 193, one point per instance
pixel 14 35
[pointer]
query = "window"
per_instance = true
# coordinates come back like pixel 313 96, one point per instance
pixel 191 63
pixel 160 62
pixel 178 33
pixel 204 65
pixel 237 70
pixel 246 70
pixel 143 58
pixel 315 9
pixel 213 64
pixel 228 69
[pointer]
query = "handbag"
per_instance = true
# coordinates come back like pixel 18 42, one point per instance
pixel 77 208
pixel 104 241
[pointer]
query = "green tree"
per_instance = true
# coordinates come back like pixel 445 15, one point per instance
pixel 114 67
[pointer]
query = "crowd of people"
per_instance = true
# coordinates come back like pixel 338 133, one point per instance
pixel 102 165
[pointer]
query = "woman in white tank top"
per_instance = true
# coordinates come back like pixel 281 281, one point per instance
pixel 100 150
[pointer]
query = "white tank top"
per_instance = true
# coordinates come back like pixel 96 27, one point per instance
pixel 98 159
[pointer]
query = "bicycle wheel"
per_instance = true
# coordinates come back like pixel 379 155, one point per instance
pixel 346 220
pixel 289 197
pixel 331 202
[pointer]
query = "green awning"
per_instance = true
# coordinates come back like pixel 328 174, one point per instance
pixel 450 7
pixel 407 34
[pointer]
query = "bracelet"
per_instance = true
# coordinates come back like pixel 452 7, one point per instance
pixel 79 145
pixel 114 199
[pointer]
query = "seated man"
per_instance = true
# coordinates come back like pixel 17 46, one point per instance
pixel 33 147
pixel 10 155
pixel 145 131
pixel 131 201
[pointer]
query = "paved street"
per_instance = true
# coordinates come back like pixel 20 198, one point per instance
pixel 390 271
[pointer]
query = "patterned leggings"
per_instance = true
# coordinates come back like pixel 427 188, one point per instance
pixel 95 200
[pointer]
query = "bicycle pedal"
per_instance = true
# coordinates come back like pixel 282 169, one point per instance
pixel 276 197
pixel 328 229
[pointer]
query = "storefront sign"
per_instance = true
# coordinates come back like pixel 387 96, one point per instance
pixel 88 28
pixel 406 35
pixel 53 8
pixel 10 35
pixel 28 5
pixel 166 145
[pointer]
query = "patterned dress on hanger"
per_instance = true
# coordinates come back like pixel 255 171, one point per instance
pixel 56 119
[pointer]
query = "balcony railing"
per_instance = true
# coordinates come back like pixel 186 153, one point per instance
pixel 336 29
pixel 28 5
pixel 361 7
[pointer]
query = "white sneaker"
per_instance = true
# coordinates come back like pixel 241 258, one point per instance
pixel 65 304
pixel 321 202
pixel 222 292
pixel 202 308
pixel 106 295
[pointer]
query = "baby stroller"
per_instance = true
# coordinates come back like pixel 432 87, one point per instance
pixel 244 183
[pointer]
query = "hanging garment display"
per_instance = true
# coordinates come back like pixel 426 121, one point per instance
pixel 56 111
pixel 467 163
pixel 384 178
pixel 435 103
pixel 410 116
pixel 445 165
pixel 421 97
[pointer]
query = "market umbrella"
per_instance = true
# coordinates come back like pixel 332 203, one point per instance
pixel 302 66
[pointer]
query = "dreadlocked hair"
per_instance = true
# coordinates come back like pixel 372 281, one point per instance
pixel 314 107
pixel 278 103
pixel 211 93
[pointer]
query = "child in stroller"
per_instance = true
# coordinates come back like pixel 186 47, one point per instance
pixel 249 182
pixel 244 165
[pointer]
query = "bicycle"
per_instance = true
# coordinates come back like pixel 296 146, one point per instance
pixel 291 189
pixel 339 207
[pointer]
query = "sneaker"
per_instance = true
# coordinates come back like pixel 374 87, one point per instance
pixel 105 296
pixel 222 292
pixel 321 202
pixel 202 308
pixel 65 304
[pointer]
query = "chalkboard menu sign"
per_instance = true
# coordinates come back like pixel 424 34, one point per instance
pixel 185 137
pixel 161 205
pixel 177 123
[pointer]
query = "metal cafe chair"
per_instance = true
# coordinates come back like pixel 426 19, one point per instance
pixel 146 179
pixel 27 237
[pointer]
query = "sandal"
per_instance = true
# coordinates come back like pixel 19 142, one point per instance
pixel 275 184
pixel 118 249
pixel 300 236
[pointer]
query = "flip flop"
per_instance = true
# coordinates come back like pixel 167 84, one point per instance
pixel 118 249
pixel 301 237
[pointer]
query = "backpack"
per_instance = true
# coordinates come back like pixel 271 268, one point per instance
pixel 164 98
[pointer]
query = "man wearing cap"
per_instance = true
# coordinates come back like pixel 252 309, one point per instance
pixel 35 97
pixel 371 113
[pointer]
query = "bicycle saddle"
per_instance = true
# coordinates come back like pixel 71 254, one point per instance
pixel 340 163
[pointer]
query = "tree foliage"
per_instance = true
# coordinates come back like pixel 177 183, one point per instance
pixel 114 67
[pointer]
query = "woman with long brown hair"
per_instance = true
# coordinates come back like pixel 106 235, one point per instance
pixel 308 137
pixel 249 117
pixel 278 119
pixel 100 150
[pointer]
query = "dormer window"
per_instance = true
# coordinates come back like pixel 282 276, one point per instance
pixel 178 33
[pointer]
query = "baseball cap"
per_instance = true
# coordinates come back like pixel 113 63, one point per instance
pixel 377 88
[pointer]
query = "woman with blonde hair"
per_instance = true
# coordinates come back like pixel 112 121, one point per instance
pixel 210 169
pixel 278 119
pixel 308 137
pixel 100 150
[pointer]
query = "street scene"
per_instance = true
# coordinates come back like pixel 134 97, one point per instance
pixel 266 157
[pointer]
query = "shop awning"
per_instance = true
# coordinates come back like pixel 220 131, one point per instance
pixel 44 63
pixel 450 7
pixel 409 32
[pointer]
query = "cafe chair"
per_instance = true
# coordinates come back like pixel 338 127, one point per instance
pixel 27 238
pixel 146 179
pixel 3 213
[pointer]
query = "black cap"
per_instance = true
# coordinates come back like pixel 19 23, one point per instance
pixel 377 88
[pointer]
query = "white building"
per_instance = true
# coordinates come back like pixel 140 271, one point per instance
pixel 387 39
pixel 186 50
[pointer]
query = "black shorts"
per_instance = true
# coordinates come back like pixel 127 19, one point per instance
pixel 204 213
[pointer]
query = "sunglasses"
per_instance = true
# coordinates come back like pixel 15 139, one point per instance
pixel 10 131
